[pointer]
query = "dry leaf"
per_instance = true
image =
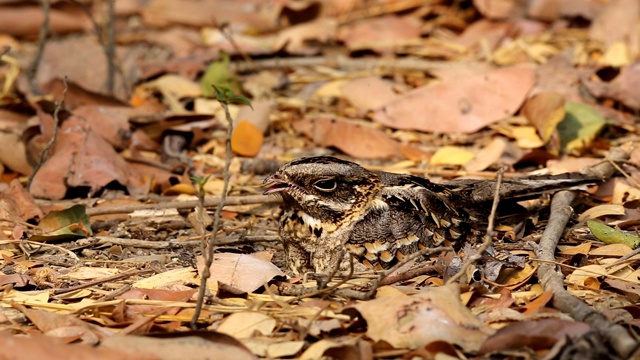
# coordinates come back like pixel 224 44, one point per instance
pixel 245 324
pixel 464 104
pixel 545 111
pixel 369 93
pixel 246 139
pixel 243 272
pixel 451 155
pixel 358 139
pixel 487 156
pixel 400 319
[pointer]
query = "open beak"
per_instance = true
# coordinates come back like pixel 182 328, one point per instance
pixel 274 184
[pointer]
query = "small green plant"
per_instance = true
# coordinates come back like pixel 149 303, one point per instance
pixel 200 181
pixel 227 96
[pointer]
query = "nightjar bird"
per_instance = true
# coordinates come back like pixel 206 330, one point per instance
pixel 333 208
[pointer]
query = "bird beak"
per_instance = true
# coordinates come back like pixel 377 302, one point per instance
pixel 275 183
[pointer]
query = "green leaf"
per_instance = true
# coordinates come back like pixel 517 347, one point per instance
pixel 609 235
pixel 200 181
pixel 227 96
pixel 219 73
pixel 71 223
pixel 580 126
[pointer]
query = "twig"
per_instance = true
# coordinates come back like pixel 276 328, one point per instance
pixel 552 279
pixel 375 284
pixel 56 126
pixel 42 41
pixel 39 244
pixel 208 255
pixel 330 289
pixel 344 63
pixel 323 282
pixel 223 30
pixel 488 237
pixel 110 47
pixel 123 275
pixel 409 274
pixel 189 204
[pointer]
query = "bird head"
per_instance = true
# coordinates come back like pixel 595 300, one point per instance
pixel 323 186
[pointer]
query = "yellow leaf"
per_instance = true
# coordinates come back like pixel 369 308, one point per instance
pixel 451 155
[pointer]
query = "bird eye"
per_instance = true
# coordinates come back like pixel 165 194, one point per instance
pixel 326 185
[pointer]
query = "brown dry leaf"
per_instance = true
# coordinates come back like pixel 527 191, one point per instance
pixel 77 96
pixel 16 203
pixel 624 192
pixel 465 104
pixel 82 158
pixel 256 17
pixel 587 276
pixel 198 345
pixel 89 273
pixel 513 278
pixel 623 88
pixel 318 349
pixel 559 75
pixel 272 347
pixel 537 335
pixel 611 250
pixel 245 324
pixel 487 156
pixel 258 114
pixel 602 210
pixel 570 164
pixel 87 56
pixel 550 10
pixel 246 139
pixel 358 139
pixel 538 303
pixel 298 39
pixel 243 272
pixel 618 21
pixel 16 280
pixel 485 32
pixel 497 9
pixel 38 346
pixel 111 122
pixel 369 93
pixel 400 320
pixel 180 276
pixel 545 111
pixel 11 131
pixel 630 291
pixel 47 321
pixel 583 248
pixel 27 20
pixel 384 34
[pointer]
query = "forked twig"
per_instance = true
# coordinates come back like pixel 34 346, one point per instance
pixel 56 126
pixel 487 240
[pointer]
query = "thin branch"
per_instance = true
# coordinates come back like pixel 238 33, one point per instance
pixel 488 236
pixel 553 280
pixel 208 255
pixel 42 41
pixel 211 201
pixel 56 126
pixel 110 47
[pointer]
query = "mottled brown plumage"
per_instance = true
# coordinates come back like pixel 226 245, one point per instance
pixel 334 207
